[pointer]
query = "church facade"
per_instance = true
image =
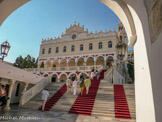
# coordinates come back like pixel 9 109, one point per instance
pixel 78 51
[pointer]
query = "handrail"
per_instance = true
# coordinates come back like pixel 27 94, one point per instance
pixel 29 94
pixel 107 73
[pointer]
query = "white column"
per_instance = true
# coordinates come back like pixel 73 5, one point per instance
pixel 12 82
pixel 59 63
pixel 22 95
pixel 67 62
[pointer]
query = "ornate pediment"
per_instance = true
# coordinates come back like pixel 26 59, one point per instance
pixel 76 28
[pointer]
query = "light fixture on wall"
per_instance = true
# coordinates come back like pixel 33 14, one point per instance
pixel 5 47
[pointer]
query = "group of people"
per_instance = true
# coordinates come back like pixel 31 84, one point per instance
pixel 84 82
pixel 95 73
pixel 74 82
pixel 3 96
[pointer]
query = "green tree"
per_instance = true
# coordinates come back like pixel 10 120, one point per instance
pixel 27 62
pixel 42 65
pixel 18 61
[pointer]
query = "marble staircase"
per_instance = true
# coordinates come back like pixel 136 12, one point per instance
pixel 103 105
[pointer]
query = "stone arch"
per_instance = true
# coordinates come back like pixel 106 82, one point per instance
pixel 85 74
pixel 55 64
pixel 71 62
pixel 90 61
pixel 100 60
pixel 109 60
pixel 48 64
pixel 63 77
pixel 72 74
pixel 54 77
pixel 133 12
pixel 80 61
pixel 45 75
pixel 63 63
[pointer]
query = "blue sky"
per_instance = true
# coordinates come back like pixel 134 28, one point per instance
pixel 25 28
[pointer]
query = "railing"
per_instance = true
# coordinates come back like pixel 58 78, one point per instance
pixel 108 73
pixel 29 94
pixel 100 67
pixel 78 68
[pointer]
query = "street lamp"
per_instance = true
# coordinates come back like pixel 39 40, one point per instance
pixel 5 47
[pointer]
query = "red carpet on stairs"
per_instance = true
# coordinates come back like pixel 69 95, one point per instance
pixel 84 104
pixel 53 100
pixel 121 106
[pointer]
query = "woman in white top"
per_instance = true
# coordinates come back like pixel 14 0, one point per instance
pixel 75 82
pixel 45 95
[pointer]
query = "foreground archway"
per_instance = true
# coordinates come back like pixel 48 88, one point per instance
pixel 134 16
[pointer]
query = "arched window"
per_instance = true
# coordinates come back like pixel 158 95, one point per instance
pixel 81 47
pixel 17 89
pixel 57 49
pixel 49 51
pixel 43 51
pixel 100 45
pixel 110 44
pixel 90 46
pixel 64 49
pixel 72 48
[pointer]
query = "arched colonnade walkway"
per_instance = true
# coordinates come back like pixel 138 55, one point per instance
pixel 70 63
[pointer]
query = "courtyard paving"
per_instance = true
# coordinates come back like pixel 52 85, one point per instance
pixel 28 115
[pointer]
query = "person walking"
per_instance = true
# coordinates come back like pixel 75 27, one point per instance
pixel 45 95
pixel 81 77
pixel 82 85
pixel 87 83
pixel 75 83
pixel 68 84
pixel 97 74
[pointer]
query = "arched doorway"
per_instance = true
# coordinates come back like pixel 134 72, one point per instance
pixel 72 62
pixel 100 60
pixel 48 64
pixel 90 61
pixel 109 61
pixel 46 75
pixel 54 78
pixel 84 75
pixel 55 64
pixel 80 62
pixel 63 64
pixel 63 78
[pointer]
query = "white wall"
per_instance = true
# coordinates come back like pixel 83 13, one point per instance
pixel 14 98
pixel 148 58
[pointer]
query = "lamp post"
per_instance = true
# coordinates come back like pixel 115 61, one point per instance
pixel 5 47
pixel 121 48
